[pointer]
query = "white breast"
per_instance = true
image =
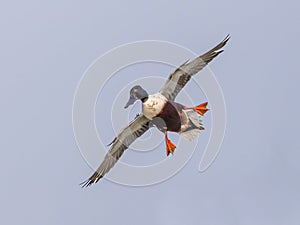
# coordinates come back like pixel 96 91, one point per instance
pixel 153 106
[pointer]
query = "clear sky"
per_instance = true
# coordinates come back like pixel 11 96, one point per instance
pixel 46 47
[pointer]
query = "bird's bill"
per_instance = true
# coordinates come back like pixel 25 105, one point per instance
pixel 130 101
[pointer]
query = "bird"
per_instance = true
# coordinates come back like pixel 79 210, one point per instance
pixel 161 110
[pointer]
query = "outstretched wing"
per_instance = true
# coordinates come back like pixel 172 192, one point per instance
pixel 128 135
pixel 183 74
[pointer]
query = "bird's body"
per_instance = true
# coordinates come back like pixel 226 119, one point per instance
pixel 168 115
pixel 153 105
pixel 171 117
pixel 162 111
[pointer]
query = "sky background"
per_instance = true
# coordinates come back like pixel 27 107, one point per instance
pixel 45 47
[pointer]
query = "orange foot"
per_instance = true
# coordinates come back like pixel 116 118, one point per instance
pixel 170 147
pixel 201 109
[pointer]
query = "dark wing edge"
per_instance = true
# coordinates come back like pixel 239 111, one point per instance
pixel 121 142
pixel 178 79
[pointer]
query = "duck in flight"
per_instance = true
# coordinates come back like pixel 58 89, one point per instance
pixel 162 111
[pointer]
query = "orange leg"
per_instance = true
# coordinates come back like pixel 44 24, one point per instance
pixel 200 109
pixel 170 147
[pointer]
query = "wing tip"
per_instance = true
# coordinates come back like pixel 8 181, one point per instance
pixel 84 184
pixel 222 44
pixel 226 39
pixel 218 49
pixel 92 180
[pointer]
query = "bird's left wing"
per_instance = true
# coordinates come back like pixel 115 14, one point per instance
pixel 121 142
pixel 178 79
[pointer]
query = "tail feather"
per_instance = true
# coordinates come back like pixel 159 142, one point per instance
pixel 193 127
pixel 194 118
pixel 190 134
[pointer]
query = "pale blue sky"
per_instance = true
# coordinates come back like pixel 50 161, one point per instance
pixel 46 47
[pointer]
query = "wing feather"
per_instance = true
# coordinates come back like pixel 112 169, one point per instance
pixel 120 143
pixel 178 79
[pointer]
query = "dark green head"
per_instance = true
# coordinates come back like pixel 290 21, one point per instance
pixel 136 93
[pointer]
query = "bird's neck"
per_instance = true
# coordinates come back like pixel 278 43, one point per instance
pixel 144 99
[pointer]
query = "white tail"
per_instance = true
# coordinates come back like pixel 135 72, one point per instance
pixel 192 129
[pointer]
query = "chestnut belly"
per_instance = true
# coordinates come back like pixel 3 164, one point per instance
pixel 169 118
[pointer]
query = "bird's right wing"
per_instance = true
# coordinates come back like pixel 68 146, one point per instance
pixel 126 137
pixel 179 78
